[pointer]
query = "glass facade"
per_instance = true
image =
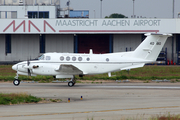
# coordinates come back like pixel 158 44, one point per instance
pixel 38 14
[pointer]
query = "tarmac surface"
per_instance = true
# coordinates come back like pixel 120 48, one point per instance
pixel 107 101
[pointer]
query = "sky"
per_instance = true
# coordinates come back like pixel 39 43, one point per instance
pixel 144 8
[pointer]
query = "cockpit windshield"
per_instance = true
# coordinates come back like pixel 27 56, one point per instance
pixel 41 57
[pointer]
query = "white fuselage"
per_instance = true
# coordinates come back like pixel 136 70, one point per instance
pixel 87 63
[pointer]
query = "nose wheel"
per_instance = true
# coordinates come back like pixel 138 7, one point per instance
pixel 16 82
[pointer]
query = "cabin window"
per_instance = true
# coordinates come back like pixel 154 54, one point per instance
pixel 107 59
pixel 74 58
pixel 48 58
pixel 67 58
pixel 88 59
pixel 61 58
pixel 80 58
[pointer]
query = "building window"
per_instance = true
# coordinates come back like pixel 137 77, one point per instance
pixel 42 43
pixel 8 14
pixel 46 14
pixel 8 43
pixel 5 14
pixel 14 14
pixel 32 15
pixel 38 14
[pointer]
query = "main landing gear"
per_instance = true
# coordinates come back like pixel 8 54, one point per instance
pixel 72 82
pixel 16 82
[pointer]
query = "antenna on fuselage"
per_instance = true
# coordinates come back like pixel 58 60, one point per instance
pixel 90 51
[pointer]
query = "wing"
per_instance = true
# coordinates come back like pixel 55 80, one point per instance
pixel 69 69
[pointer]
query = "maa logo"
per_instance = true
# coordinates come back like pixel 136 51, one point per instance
pixel 30 23
pixel 15 28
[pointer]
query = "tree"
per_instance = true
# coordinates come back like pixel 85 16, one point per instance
pixel 116 15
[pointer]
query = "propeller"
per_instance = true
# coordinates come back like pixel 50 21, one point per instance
pixel 29 72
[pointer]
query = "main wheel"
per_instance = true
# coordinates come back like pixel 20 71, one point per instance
pixel 70 84
pixel 16 82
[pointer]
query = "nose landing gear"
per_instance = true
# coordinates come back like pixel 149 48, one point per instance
pixel 16 82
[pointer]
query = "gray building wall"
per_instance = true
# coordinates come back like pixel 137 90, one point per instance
pixel 171 47
pixel 59 43
pixel 175 55
pixel 23 47
pixel 123 41
pixel 2 47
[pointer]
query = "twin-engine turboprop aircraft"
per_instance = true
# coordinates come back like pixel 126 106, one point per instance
pixel 67 65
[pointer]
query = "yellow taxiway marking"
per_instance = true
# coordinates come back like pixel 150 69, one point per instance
pixel 90 111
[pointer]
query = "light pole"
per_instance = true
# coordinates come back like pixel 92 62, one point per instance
pixel 173 9
pixel 101 8
pixel 94 14
pixel 68 3
pixel 25 12
pixel 133 9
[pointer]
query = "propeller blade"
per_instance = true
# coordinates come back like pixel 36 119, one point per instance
pixel 28 62
pixel 29 72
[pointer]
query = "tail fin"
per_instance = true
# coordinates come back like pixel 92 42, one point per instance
pixel 150 48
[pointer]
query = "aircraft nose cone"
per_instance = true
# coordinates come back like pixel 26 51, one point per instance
pixel 14 67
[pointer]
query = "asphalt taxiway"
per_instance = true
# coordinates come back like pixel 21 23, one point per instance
pixel 108 101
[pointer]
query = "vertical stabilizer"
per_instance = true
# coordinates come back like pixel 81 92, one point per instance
pixel 150 48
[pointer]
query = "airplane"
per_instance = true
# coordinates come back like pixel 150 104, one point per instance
pixel 67 65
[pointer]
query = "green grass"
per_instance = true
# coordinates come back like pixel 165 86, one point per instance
pixel 14 98
pixel 149 72
pixel 145 73
pixel 166 116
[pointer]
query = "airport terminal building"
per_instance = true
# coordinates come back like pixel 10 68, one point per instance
pixel 24 38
